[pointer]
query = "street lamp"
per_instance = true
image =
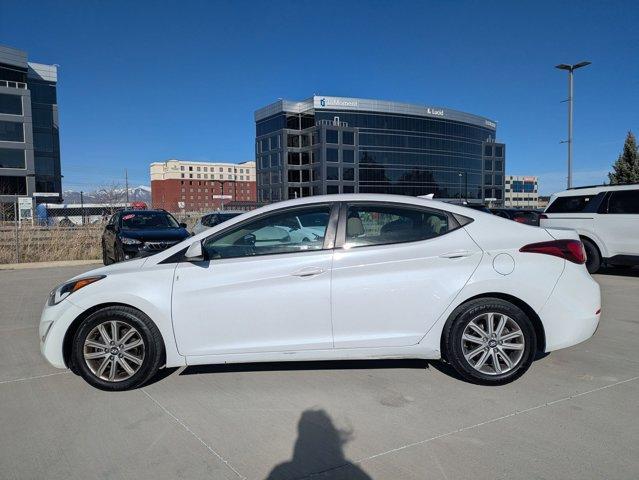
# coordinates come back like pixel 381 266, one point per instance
pixel 570 69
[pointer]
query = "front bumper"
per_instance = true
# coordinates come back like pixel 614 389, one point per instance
pixel 54 323
pixel 145 249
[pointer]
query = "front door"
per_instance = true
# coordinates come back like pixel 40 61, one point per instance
pixel 264 288
pixel 397 271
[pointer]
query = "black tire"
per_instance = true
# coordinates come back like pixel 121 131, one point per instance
pixel 459 320
pixel 118 254
pixel 593 257
pixel 153 357
pixel 105 257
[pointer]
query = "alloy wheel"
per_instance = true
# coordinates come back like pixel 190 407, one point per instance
pixel 493 343
pixel 114 351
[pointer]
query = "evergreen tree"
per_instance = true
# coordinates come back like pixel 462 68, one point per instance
pixel 626 168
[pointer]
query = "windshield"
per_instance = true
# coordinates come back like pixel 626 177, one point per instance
pixel 146 220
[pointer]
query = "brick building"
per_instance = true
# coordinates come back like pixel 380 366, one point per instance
pixel 201 186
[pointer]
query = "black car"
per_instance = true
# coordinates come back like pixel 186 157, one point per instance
pixel 529 217
pixel 139 233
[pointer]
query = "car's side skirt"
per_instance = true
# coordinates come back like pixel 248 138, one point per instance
pixel 421 351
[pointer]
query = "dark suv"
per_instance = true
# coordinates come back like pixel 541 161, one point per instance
pixel 139 233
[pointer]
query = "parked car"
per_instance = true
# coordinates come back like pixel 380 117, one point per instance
pixel 527 216
pixel 212 219
pixel 139 233
pixel 389 276
pixel 606 219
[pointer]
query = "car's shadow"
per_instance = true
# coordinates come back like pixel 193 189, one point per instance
pixel 415 364
pixel 619 271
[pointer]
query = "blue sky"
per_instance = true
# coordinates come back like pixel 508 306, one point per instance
pixel 145 81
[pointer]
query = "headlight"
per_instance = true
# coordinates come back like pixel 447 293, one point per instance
pixel 61 292
pixel 130 241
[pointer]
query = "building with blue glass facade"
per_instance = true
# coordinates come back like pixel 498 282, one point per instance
pixel 29 138
pixel 326 145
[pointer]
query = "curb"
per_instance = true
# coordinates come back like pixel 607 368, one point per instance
pixel 64 263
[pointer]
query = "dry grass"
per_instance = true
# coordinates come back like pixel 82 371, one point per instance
pixel 39 244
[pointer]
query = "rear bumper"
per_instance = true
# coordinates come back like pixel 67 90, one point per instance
pixel 572 313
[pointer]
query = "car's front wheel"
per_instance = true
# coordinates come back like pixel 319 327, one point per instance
pixel 117 348
pixel 490 341
pixel 105 256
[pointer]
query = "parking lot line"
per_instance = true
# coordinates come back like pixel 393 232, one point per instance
pixel 477 425
pixel 33 378
pixel 197 437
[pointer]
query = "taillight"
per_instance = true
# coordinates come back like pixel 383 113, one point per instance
pixel 571 250
pixel 520 219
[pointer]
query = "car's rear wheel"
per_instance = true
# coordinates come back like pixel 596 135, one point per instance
pixel 490 341
pixel 593 257
pixel 117 348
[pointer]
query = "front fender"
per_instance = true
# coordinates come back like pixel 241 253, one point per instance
pixel 147 290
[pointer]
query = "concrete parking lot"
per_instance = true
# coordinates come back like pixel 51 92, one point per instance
pixel 575 414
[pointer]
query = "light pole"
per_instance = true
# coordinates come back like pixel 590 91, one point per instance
pixel 570 69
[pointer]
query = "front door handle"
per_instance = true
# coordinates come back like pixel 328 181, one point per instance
pixel 457 254
pixel 308 272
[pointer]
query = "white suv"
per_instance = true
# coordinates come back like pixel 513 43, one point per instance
pixel 606 218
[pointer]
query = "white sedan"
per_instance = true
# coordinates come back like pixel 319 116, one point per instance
pixel 384 277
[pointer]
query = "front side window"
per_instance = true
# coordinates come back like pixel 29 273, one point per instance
pixel 571 204
pixel 290 231
pixel 380 224
pixel 624 202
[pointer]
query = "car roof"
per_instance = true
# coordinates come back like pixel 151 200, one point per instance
pixel 372 197
pixel 224 212
pixel 143 210
pixel 594 190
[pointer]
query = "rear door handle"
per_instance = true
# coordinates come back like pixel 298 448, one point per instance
pixel 457 254
pixel 308 272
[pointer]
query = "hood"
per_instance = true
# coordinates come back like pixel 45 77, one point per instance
pixel 156 234
pixel 121 267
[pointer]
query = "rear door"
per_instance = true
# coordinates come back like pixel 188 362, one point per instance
pixel 396 268
pixel 618 224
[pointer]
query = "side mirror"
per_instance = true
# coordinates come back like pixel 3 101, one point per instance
pixel 183 225
pixel 110 227
pixel 194 253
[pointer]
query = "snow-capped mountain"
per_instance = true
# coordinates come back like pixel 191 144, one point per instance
pixel 141 193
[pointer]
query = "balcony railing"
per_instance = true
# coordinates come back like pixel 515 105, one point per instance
pixel 7 83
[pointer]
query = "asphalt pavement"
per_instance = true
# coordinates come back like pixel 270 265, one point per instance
pixel 574 415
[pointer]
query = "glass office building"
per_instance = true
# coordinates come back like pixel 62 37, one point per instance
pixel 29 138
pixel 327 145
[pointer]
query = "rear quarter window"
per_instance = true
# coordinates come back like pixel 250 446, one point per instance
pixel 570 204
pixel 624 202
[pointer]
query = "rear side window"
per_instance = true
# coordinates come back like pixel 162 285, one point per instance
pixel 380 224
pixel 624 201
pixel 572 204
